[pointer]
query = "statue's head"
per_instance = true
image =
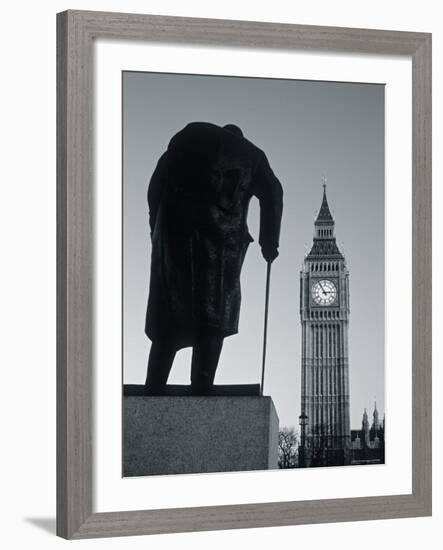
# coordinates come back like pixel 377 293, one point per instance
pixel 233 129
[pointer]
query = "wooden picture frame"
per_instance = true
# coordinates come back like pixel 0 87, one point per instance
pixel 76 31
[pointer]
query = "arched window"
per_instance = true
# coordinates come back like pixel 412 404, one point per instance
pixel 320 346
pixel 316 340
pixel 334 342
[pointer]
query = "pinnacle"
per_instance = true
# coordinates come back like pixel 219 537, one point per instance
pixel 324 214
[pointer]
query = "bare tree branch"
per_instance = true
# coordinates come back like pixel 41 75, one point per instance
pixel 288 443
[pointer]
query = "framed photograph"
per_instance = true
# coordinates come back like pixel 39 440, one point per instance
pixel 244 274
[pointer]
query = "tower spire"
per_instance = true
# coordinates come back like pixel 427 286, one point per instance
pixel 324 215
pixel 365 428
pixel 376 422
pixel 324 231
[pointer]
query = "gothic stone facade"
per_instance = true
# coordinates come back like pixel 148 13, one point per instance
pixel 368 443
pixel 324 313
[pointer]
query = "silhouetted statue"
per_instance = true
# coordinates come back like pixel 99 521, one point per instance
pixel 198 201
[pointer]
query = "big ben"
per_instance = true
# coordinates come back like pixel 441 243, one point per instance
pixel 324 314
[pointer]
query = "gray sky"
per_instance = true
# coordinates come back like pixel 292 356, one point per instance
pixel 307 130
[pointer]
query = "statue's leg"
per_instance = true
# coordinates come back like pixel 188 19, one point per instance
pixel 205 357
pixel 160 362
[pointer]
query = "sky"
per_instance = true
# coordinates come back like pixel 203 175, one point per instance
pixel 308 130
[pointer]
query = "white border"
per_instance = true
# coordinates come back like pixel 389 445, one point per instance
pixel 111 491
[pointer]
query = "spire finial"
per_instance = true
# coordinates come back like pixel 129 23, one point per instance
pixel 324 180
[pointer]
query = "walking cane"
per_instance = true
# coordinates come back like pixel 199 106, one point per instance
pixel 265 330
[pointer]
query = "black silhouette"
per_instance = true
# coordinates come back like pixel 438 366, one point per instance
pixel 198 201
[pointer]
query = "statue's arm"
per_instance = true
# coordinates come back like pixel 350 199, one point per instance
pixel 268 190
pixel 156 187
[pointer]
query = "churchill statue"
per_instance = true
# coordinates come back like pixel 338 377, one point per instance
pixel 198 199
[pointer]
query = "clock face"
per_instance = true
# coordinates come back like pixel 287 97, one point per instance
pixel 324 292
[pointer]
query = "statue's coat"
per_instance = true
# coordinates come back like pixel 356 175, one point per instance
pixel 198 201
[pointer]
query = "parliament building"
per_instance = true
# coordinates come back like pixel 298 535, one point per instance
pixel 326 436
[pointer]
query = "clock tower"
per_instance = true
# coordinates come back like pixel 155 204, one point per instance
pixel 324 314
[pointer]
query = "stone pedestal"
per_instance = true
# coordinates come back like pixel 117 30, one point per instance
pixel 180 435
